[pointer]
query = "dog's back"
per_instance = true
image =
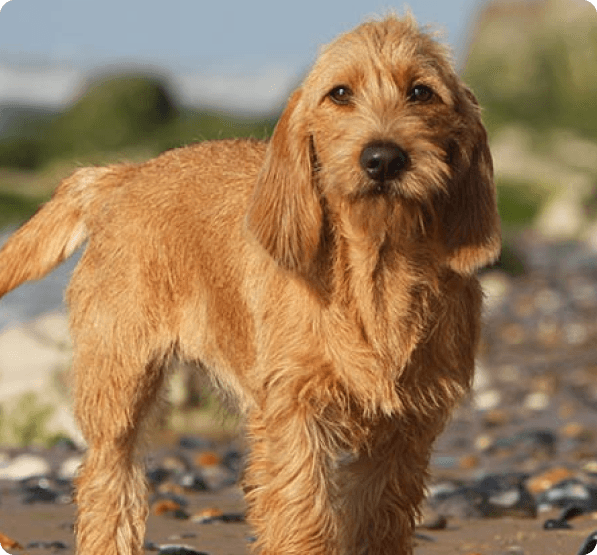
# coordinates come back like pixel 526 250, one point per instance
pixel 174 195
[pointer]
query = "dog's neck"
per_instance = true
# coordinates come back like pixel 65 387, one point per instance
pixel 381 266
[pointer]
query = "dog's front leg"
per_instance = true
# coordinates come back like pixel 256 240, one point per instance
pixel 289 480
pixel 381 490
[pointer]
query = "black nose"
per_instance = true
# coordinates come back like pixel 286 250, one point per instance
pixel 383 161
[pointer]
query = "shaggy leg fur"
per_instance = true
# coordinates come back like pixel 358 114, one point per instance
pixel 381 491
pixel 117 391
pixel 289 481
pixel 111 488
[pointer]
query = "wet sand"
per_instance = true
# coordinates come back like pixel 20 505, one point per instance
pixel 504 536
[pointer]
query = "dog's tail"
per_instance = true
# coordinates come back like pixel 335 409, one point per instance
pixel 55 231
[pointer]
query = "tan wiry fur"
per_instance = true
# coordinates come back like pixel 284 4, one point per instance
pixel 340 309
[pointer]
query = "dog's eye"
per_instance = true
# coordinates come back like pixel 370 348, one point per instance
pixel 341 95
pixel 420 93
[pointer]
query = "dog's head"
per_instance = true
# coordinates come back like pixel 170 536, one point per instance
pixel 382 120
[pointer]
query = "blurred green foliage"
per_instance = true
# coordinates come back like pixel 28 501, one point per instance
pixel 26 421
pixel 114 114
pixel 26 153
pixel 15 207
pixel 519 202
pixel 532 66
pixel 117 117
pixel 535 63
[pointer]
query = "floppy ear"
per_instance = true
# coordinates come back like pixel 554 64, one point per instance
pixel 468 216
pixel 285 213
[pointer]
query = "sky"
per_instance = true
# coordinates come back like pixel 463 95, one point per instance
pixel 197 33
pixel 235 54
pixel 243 53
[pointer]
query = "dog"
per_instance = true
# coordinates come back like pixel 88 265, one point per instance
pixel 324 279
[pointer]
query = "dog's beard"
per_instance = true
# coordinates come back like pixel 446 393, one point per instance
pixel 392 189
pixel 410 185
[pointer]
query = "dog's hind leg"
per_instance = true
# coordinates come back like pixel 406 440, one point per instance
pixel 113 403
pixel 120 368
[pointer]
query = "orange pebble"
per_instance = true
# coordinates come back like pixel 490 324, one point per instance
pixel 9 543
pixel 164 506
pixel 468 462
pixel 542 482
pixel 207 458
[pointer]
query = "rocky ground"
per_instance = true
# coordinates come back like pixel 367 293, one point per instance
pixel 515 473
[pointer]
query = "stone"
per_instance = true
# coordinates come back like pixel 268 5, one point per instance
pixel 211 515
pixel 207 458
pixel 546 480
pixel 469 462
pixel 55 545
pixel 9 543
pixel 169 508
pixel 218 477
pixel 191 481
pixel 194 442
pixel 24 466
pixel 537 401
pixel 569 492
pixel 488 399
pixel 179 550
pixel 589 545
pixel 432 520
pixel 233 460
pixel 207 515
pixel 70 467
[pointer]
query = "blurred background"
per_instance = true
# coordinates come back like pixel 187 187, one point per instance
pixel 88 82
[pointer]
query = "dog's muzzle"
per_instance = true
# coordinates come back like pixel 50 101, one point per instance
pixel 383 161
